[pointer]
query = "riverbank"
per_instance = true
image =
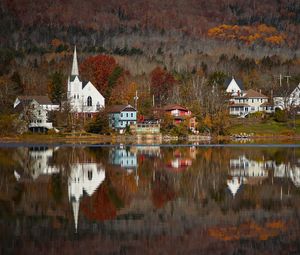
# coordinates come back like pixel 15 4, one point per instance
pixel 88 138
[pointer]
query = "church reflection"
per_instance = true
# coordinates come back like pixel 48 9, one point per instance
pixel 83 178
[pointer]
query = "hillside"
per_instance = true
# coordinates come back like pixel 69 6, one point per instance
pixel 146 25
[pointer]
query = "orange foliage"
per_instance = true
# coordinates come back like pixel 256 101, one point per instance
pixel 275 39
pixel 263 28
pixel 247 231
pixel 247 34
pixel 56 42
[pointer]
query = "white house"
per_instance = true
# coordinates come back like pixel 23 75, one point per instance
pixel 83 96
pixel 249 101
pixel 35 110
pixel 287 97
pixel 234 86
pixel 84 178
pixel 39 158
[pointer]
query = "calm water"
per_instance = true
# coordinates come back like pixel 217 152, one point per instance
pixel 149 200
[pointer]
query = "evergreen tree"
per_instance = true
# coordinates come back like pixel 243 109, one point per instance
pixel 56 89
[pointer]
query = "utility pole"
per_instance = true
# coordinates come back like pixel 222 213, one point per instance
pixel 153 101
pixel 280 79
pixel 287 79
pixel 136 99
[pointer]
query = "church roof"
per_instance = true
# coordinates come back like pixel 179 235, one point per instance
pixel 84 82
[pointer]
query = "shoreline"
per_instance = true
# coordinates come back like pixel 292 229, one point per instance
pixel 132 139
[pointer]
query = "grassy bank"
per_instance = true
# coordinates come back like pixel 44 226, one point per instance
pixel 265 128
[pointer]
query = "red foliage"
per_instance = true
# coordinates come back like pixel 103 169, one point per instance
pixel 162 192
pixel 98 69
pixel 99 206
pixel 162 83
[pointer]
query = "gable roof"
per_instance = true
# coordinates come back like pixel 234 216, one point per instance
pixel 172 107
pixel 238 82
pixel 254 94
pixel 285 90
pixel 121 108
pixel 40 99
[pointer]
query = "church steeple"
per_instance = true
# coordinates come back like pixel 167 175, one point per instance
pixel 75 64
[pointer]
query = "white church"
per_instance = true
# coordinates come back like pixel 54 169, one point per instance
pixel 83 96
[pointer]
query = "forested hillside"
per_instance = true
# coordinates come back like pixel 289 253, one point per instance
pixel 197 42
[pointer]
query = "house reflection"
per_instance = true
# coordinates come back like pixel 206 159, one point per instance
pixel 252 172
pixel 180 161
pixel 245 171
pixel 125 157
pixel 39 158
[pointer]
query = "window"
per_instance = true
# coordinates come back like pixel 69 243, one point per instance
pixel 132 114
pixel 127 114
pixel 89 101
pixel 75 96
pixel 90 175
pixel 121 115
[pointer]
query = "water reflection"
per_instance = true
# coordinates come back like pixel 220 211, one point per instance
pixel 83 177
pixel 150 192
pixel 253 172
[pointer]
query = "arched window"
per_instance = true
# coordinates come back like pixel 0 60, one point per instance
pixel 89 101
pixel 90 175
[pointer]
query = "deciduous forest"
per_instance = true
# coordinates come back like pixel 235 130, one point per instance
pixel 175 50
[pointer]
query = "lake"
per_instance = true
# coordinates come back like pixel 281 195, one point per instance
pixel 207 199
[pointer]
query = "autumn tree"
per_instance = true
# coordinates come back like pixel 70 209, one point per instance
pixel 100 123
pixel 162 83
pixel 103 71
pixel 56 89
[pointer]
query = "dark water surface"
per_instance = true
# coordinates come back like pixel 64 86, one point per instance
pixel 149 199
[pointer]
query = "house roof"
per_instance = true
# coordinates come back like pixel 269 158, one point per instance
pixel 121 108
pixel 239 82
pixel 285 90
pixel 266 104
pixel 238 105
pixel 40 99
pixel 172 107
pixel 254 94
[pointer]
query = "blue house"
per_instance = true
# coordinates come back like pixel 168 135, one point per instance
pixel 121 116
pixel 123 157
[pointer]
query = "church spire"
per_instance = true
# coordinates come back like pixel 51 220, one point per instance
pixel 75 206
pixel 75 64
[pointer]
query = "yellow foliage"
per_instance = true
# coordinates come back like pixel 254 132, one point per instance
pixel 207 121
